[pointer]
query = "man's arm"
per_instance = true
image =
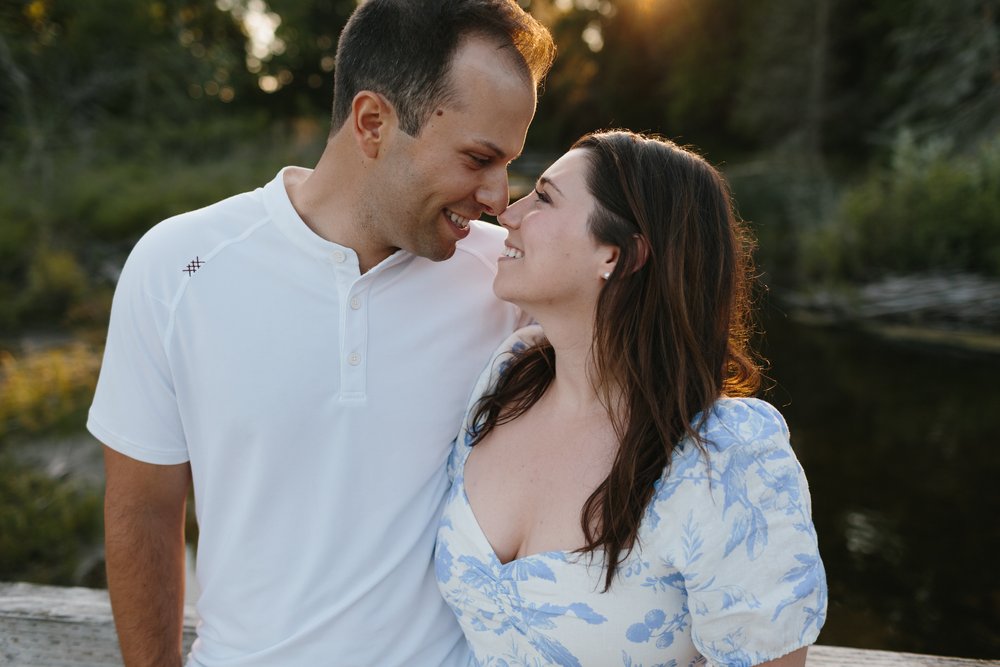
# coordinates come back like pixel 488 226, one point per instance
pixel 144 510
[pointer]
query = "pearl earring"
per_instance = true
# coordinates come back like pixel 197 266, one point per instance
pixel 606 275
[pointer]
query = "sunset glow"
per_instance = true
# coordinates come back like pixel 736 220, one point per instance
pixel 260 25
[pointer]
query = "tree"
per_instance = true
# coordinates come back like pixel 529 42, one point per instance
pixel 946 75
pixel 76 67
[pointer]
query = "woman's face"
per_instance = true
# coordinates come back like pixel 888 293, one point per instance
pixel 550 258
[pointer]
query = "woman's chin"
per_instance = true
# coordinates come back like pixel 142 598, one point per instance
pixel 506 293
pixel 499 288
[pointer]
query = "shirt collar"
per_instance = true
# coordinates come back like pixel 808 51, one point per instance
pixel 280 209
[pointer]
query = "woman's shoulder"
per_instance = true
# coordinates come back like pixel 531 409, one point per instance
pixel 515 343
pixel 518 341
pixel 499 361
pixel 742 422
pixel 741 438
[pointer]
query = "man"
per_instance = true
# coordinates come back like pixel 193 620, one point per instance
pixel 301 353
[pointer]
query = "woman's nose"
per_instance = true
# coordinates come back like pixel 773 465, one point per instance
pixel 511 217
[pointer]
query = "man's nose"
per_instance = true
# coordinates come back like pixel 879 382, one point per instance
pixel 494 193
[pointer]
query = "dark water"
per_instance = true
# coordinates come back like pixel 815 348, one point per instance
pixel 901 445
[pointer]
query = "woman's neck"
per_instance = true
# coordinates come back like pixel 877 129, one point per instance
pixel 574 386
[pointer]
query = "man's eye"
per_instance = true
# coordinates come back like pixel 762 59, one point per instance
pixel 541 196
pixel 479 159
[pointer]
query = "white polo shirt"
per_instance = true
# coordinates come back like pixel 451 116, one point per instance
pixel 316 406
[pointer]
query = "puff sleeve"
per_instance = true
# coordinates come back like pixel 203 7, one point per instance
pixel 738 528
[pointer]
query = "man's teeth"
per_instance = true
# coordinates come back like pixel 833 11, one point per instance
pixel 513 253
pixel 460 222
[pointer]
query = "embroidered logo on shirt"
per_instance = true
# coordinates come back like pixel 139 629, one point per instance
pixel 193 266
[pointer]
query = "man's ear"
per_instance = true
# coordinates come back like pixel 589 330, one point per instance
pixel 371 121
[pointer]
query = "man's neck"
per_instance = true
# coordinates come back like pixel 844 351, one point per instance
pixel 326 200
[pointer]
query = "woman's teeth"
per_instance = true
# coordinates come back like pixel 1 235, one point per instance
pixel 513 253
pixel 460 222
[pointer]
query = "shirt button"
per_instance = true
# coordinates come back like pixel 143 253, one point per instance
pixel 355 303
pixel 354 359
pixel 339 256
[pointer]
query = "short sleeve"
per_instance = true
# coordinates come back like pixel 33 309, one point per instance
pixel 135 410
pixel 742 537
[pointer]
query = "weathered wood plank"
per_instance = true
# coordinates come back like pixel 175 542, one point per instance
pixel 839 656
pixel 50 626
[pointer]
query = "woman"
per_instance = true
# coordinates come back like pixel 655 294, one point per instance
pixel 614 500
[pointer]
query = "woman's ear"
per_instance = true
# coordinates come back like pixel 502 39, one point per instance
pixel 371 116
pixel 609 260
pixel 613 254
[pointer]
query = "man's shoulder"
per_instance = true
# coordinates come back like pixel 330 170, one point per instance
pixel 178 246
pixel 221 219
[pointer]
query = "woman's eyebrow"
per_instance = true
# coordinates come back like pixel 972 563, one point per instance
pixel 545 180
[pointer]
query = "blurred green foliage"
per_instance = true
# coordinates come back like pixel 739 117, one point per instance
pixel 115 115
pixel 50 532
pixel 61 244
pixel 42 390
pixel 928 209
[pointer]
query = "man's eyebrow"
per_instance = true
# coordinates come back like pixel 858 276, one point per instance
pixel 544 180
pixel 493 148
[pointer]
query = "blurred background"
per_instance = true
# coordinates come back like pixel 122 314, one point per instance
pixel 861 139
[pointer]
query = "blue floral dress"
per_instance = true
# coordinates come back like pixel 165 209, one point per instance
pixel 726 570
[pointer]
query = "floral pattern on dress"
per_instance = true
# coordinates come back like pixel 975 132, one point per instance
pixel 726 570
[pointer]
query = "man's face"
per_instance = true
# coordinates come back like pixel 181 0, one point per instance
pixel 432 185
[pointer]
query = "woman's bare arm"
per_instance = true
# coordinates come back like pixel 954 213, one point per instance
pixel 793 659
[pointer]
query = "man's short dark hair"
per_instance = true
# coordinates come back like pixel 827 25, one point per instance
pixel 402 49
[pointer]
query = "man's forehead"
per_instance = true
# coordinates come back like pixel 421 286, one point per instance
pixel 488 53
pixel 490 100
pixel 479 57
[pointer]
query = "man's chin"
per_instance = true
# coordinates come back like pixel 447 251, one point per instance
pixel 448 254
pixel 437 253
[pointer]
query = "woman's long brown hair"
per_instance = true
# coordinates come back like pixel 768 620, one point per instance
pixel 672 324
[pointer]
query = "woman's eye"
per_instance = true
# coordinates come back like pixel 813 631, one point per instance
pixel 541 196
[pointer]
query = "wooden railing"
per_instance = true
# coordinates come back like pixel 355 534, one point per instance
pixel 50 626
